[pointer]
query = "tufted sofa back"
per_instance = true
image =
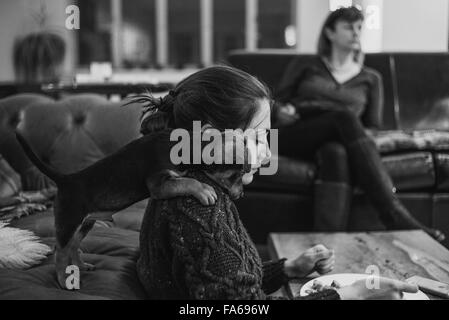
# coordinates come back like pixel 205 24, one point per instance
pixel 68 134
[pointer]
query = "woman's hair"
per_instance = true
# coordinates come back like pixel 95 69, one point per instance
pixel 348 14
pixel 222 96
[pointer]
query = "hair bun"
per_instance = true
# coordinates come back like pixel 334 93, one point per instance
pixel 167 102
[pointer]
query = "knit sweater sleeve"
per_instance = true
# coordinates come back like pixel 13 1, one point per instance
pixel 274 276
pixel 205 265
pixel 211 267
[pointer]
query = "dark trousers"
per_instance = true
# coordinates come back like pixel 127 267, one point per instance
pixel 323 139
pixel 337 142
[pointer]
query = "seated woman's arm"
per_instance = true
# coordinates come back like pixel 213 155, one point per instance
pixel 372 117
pixel 290 79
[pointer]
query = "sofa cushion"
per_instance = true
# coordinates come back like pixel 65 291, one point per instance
pixel 113 251
pixel 411 171
pixel 442 171
pixel 131 217
pixel 399 141
pixel 10 183
pixel 68 134
pixel 11 114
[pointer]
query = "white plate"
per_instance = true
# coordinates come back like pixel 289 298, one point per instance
pixel 346 279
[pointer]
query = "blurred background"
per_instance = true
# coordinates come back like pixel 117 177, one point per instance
pixel 67 65
pixel 164 40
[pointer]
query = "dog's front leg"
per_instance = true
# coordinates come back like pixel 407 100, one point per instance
pixel 62 261
pixel 170 184
pixel 75 252
pixel 70 254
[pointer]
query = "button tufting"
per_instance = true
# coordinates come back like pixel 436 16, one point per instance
pixel 79 119
pixel 15 119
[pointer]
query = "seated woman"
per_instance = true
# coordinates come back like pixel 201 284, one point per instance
pixel 194 251
pixel 327 104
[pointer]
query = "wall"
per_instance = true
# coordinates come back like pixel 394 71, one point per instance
pixel 311 15
pixel 406 25
pixel 16 20
pixel 415 25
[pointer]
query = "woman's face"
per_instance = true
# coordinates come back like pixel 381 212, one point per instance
pixel 346 35
pixel 260 150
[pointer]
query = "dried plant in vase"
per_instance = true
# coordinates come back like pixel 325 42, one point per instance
pixel 38 56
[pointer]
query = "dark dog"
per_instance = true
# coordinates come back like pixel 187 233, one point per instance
pixel 131 174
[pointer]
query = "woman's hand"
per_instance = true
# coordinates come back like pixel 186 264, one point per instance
pixel 318 258
pixel 387 289
pixel 286 115
pixel 371 133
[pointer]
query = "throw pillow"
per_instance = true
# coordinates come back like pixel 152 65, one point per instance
pixel 20 249
pixel 10 183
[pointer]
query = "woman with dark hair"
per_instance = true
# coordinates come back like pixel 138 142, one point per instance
pixel 192 251
pixel 329 109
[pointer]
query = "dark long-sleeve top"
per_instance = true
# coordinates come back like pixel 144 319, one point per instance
pixel 191 251
pixel 310 85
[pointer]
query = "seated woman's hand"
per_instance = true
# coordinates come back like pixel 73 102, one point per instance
pixel 286 115
pixel 387 289
pixel 318 258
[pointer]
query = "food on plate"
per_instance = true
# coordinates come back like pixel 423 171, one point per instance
pixel 318 286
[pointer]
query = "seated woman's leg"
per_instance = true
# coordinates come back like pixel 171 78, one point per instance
pixel 375 181
pixel 372 176
pixel 332 190
pixel 308 135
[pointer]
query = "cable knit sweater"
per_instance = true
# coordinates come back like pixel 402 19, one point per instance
pixel 191 251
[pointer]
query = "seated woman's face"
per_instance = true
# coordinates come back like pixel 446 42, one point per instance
pixel 346 34
pixel 261 153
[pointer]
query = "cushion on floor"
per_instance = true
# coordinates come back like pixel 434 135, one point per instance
pixel 113 251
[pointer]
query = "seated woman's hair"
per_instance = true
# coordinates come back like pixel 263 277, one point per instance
pixel 222 96
pixel 348 14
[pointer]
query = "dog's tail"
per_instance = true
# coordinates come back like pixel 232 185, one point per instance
pixel 48 171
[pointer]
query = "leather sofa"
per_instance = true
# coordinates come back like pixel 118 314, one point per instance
pixel 416 87
pixel 74 132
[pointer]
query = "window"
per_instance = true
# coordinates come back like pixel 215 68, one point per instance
pixel 139 36
pixel 184 33
pixel 132 41
pixel 274 19
pixel 94 38
pixel 228 36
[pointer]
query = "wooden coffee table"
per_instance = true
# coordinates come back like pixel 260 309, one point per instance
pixel 398 255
